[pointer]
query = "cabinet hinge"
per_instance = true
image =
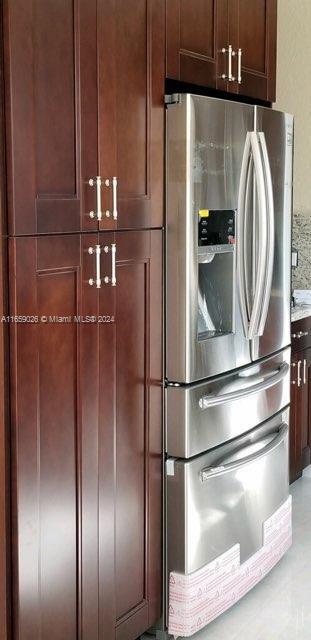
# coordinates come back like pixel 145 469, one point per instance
pixel 172 98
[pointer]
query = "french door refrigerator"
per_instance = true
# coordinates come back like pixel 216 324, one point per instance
pixel 228 250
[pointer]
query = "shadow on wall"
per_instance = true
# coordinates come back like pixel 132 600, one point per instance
pixel 302 242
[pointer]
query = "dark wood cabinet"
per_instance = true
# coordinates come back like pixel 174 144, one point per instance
pixel 203 34
pixel 51 114
pixel 131 41
pixel 84 98
pixel 87 436
pixel 253 31
pixel 300 437
pixel 83 119
pixel 195 29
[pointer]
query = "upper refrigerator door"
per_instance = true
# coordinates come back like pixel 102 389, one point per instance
pixel 272 214
pixel 205 331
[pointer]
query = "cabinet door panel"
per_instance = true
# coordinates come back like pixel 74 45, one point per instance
pixel 51 96
pixel 196 35
pixel 295 448
pixel 299 441
pixel 130 420
pixel 252 27
pixel 137 370
pixel 306 429
pixel 131 126
pixel 55 439
pixel 196 32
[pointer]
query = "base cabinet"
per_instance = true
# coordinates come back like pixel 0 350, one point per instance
pixel 87 436
pixel 300 428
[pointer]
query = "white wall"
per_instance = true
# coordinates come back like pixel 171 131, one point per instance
pixel 293 92
pixel 294 89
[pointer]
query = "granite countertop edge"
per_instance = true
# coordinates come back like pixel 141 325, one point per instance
pixel 300 311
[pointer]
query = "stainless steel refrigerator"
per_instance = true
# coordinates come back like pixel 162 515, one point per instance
pixel 228 256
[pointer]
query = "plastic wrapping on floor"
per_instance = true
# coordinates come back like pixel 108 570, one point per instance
pixel 197 599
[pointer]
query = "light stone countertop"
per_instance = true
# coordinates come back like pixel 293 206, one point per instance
pixel 300 311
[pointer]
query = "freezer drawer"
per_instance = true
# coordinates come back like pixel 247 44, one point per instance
pixel 203 416
pixel 222 498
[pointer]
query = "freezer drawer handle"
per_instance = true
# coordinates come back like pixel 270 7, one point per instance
pixel 210 472
pixel 264 382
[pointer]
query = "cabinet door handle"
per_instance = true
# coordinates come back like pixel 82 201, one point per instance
pixel 113 279
pixel 294 365
pixel 304 371
pixel 299 373
pixel 97 252
pixel 239 66
pixel 231 54
pixel 114 198
pixel 113 183
pixel 300 334
pixel 97 182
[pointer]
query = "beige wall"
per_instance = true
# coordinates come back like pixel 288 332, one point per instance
pixel 294 89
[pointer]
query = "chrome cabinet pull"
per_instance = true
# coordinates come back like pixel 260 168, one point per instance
pixel 115 198
pixel 97 252
pixel 97 182
pixel 113 279
pixel 294 365
pixel 304 371
pixel 299 373
pixel 113 183
pixel 240 66
pixel 300 334
pixel 231 55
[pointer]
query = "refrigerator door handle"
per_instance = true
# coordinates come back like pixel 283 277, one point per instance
pixel 241 219
pixel 262 237
pixel 222 467
pixel 270 233
pixel 247 271
pixel 260 383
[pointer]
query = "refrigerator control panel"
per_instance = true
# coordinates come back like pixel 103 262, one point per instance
pixel 216 227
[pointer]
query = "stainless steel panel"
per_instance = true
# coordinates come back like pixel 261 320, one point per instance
pixel 278 132
pixel 202 416
pixel 205 143
pixel 223 497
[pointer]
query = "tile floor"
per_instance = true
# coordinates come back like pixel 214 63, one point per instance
pixel 279 608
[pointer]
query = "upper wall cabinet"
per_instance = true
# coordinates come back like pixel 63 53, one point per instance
pixel 84 105
pixel 224 44
pixel 252 35
pixel 194 30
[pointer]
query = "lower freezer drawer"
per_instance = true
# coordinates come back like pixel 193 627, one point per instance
pixel 222 498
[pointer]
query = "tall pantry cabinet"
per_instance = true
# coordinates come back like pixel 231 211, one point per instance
pixel 84 138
